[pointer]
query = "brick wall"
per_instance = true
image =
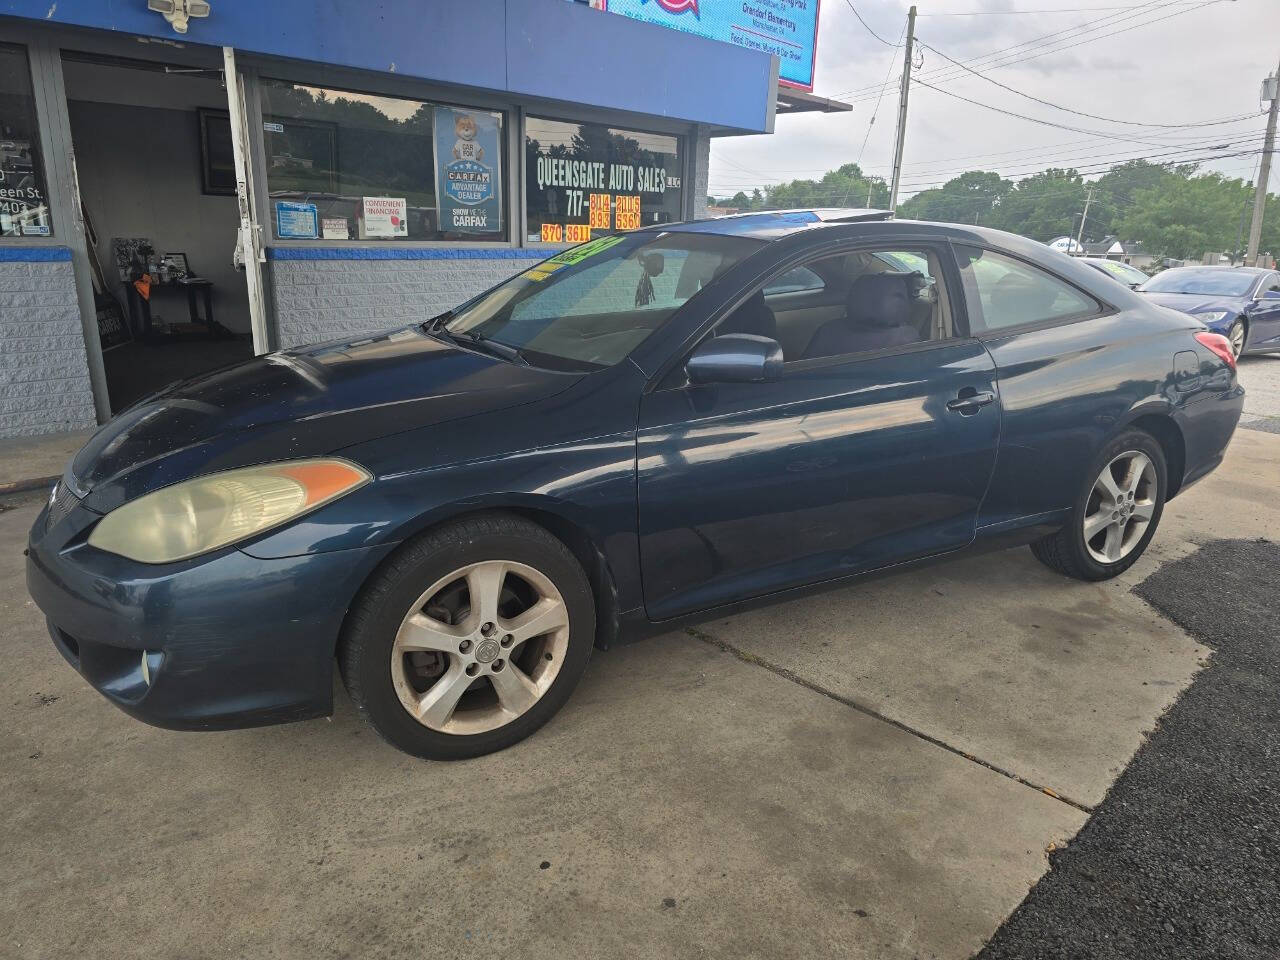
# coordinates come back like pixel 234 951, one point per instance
pixel 329 294
pixel 44 376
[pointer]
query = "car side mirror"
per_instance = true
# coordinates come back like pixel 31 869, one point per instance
pixel 735 358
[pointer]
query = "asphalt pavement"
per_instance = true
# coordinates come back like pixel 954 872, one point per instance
pixel 882 771
pixel 1182 859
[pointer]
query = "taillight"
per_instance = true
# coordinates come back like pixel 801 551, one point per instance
pixel 1219 345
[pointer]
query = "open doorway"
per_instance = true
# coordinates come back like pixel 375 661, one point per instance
pixel 157 185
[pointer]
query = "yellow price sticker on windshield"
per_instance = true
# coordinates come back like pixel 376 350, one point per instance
pixel 578 254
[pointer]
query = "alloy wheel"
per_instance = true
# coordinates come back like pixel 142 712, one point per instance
pixel 1120 507
pixel 480 647
pixel 1236 335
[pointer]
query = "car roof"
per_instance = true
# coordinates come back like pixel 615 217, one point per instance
pixel 1255 271
pixel 775 224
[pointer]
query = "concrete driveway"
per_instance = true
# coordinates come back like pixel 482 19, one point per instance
pixel 875 772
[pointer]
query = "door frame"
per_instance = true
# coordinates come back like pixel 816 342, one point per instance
pixel 45 47
pixel 53 123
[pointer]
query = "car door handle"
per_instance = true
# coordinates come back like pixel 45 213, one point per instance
pixel 970 401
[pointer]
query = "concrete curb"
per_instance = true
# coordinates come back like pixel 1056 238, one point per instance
pixel 21 486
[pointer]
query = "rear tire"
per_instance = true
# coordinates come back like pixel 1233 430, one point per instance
pixel 1115 514
pixel 469 639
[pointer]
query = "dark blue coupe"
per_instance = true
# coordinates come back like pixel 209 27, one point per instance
pixel 1241 303
pixel 646 429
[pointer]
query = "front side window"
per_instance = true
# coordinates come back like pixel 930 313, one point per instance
pixel 586 180
pixel 591 305
pixel 1004 292
pixel 24 197
pixel 354 166
pixel 858 302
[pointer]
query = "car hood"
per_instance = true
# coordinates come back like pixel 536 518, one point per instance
pixel 1197 302
pixel 298 403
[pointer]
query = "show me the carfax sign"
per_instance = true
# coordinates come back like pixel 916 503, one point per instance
pixel 788 28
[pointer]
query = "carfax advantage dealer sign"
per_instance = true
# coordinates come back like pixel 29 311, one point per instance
pixel 788 28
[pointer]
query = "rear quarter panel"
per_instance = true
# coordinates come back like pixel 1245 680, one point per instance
pixel 1066 390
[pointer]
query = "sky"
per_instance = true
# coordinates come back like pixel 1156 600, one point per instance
pixel 1172 62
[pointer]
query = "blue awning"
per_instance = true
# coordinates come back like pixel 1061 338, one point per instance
pixel 541 48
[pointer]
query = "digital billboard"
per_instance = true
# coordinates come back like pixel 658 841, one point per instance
pixel 788 28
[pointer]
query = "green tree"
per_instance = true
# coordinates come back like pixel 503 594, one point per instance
pixel 846 186
pixel 1043 206
pixel 968 198
pixel 1186 216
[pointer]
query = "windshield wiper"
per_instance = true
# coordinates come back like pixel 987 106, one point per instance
pixel 437 322
pixel 503 350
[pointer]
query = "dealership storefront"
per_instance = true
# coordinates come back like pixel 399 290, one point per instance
pixel 284 173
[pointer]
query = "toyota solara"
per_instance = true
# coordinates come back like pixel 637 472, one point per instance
pixel 643 430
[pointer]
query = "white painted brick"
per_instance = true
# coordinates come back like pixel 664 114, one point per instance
pixel 44 376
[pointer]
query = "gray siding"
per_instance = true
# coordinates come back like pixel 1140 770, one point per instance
pixel 701 172
pixel 44 376
pixel 326 299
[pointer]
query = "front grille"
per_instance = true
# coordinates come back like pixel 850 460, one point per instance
pixel 61 503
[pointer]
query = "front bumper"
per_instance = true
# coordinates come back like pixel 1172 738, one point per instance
pixel 229 640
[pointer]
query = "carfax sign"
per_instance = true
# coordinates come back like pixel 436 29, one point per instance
pixel 788 28
pixel 468 171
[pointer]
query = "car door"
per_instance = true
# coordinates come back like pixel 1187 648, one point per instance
pixel 1264 315
pixel 845 463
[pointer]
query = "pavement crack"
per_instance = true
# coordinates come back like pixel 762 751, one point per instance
pixel 781 671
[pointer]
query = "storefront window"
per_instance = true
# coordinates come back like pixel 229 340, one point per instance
pixel 24 199
pixel 588 180
pixel 353 166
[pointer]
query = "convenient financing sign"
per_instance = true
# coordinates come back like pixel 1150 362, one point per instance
pixel 787 28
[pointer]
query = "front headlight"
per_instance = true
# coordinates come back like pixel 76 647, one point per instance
pixel 196 516
pixel 1212 316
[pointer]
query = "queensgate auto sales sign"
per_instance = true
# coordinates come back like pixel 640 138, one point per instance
pixel 468 171
pixel 787 28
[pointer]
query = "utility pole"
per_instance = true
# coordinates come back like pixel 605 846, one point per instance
pixel 1084 216
pixel 902 109
pixel 1264 171
pixel 1244 212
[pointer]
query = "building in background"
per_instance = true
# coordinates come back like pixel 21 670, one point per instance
pixel 182 188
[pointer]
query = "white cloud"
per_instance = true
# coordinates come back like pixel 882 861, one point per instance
pixel 1203 64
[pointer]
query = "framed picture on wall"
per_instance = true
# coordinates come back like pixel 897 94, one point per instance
pixel 217 159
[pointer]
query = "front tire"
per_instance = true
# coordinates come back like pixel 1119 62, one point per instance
pixel 1238 333
pixel 469 639
pixel 1116 513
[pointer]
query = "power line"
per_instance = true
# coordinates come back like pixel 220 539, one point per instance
pixel 1003 13
pixel 867 25
pixel 1048 151
pixel 1080 28
pixel 1047 123
pixel 921 186
pixel 1005 56
pixel 1090 169
pixel 1079 113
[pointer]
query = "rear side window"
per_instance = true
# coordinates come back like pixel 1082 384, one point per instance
pixel 1004 292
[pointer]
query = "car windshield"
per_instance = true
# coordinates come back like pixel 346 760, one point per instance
pixel 592 304
pixel 1122 271
pixel 1219 281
